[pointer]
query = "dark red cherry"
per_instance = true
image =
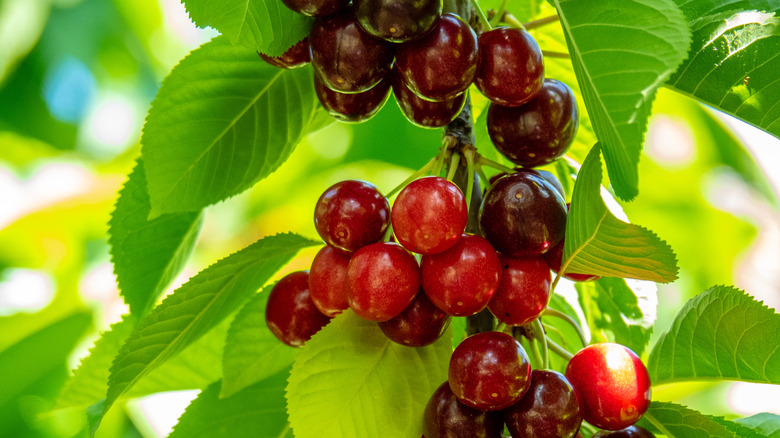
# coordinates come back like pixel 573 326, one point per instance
pixel 443 63
pixel 352 214
pixel 489 371
pixel 352 107
pixel 524 290
pixel 511 67
pixel 549 176
pixel 426 113
pixel 548 410
pixel 291 314
pixel 420 324
pixel 612 384
pixel 554 258
pixel 446 417
pixel 429 215
pixel 462 279
pixel 397 20
pixel 347 59
pixel 523 215
pixel 316 8
pixel 629 432
pixel 383 280
pixel 538 132
pixel 296 56
pixel 328 280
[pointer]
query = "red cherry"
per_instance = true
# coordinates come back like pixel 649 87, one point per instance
pixel 291 314
pixel 548 410
pixel 612 384
pixel 511 66
pixel 397 20
pixel 446 417
pixel 554 258
pixel 549 176
pixel 420 324
pixel 296 56
pixel 524 290
pixel 316 8
pixel 426 113
pixel 629 432
pixel 328 280
pixel 352 107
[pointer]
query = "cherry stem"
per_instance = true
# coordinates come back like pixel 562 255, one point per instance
pixel 469 153
pixel 499 14
pixel 590 428
pixel 512 21
pixel 454 161
pixel 481 14
pixel 560 351
pixel 554 54
pixel 557 314
pixel 540 22
pixel 549 328
pixel 541 339
pixel 482 176
pixel 422 171
pixel 490 163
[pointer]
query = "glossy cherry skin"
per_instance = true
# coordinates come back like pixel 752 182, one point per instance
pixel 426 113
pixel 291 314
pixel 420 324
pixel 347 59
pixel 489 371
pixel 549 176
pixel 429 215
pixel 548 410
pixel 397 20
pixel 446 417
pixel 524 290
pixel 316 8
pixel 352 107
pixel 462 280
pixel 511 67
pixel 442 64
pixel 383 279
pixel 328 280
pixel 554 258
pixel 352 214
pixel 538 132
pixel 523 215
pixel 296 56
pixel 629 432
pixel 612 384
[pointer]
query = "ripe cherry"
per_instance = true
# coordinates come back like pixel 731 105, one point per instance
pixel 429 215
pixel 612 384
pixel 352 107
pixel 538 132
pixel 420 324
pixel 524 290
pixel 347 59
pixel 446 417
pixel 443 63
pixel 629 432
pixel 426 113
pixel 462 279
pixel 316 8
pixel 489 371
pixel 523 215
pixel 397 20
pixel 548 410
pixel 352 214
pixel 554 258
pixel 291 314
pixel 511 66
pixel 383 279
pixel 296 56
pixel 549 176
pixel 328 280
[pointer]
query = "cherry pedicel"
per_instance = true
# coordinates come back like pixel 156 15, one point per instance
pixel 397 20
pixel 612 384
pixel 420 324
pixel 352 107
pixel 328 280
pixel 629 432
pixel 489 371
pixel 446 417
pixel 511 66
pixel 548 410
pixel 296 56
pixel 290 313
pixel 426 113
pixel 524 290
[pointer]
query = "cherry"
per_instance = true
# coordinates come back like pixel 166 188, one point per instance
pixel 489 371
pixel 442 64
pixel 296 56
pixel 629 432
pixel 511 66
pixel 426 113
pixel 612 384
pixel 549 176
pixel 352 107
pixel 352 214
pixel 548 410
pixel 346 58
pixel 316 8
pixel 383 280
pixel 397 20
pixel 429 215
pixel 328 280
pixel 420 324
pixel 462 279
pixel 523 215
pixel 538 132
pixel 524 290
pixel 446 417
pixel 554 258
pixel 291 314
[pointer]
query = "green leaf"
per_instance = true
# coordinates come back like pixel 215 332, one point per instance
pixel 252 352
pixel 222 120
pixel 196 307
pixel 676 421
pixel 764 423
pixel 147 254
pixel 734 59
pixel 722 333
pixel 257 411
pixel 599 243
pixel 351 381
pixel 267 26
pixel 622 52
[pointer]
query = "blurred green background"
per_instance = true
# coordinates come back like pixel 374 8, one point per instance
pixel 76 79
